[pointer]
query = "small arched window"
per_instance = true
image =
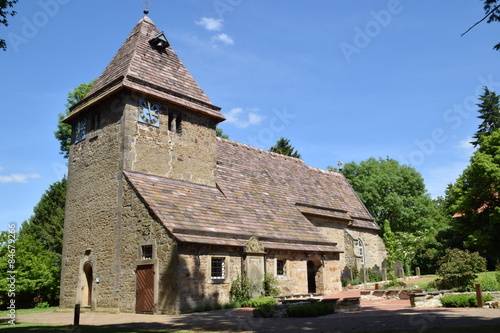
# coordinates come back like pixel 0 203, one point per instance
pixel 361 251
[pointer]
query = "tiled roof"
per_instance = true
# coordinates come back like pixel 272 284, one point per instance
pixel 259 194
pixel 143 68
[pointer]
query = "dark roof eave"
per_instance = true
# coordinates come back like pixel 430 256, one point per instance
pixel 121 83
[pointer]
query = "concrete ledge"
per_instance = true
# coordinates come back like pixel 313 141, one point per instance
pixel 389 293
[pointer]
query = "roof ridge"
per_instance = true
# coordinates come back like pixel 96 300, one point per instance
pixel 244 145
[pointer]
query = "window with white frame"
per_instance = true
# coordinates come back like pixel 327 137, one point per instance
pixel 218 268
pixel 280 266
pixel 361 251
pixel 146 252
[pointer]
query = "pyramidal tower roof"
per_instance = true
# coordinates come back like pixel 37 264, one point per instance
pixel 143 67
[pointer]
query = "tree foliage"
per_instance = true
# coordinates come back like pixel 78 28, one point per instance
pixel 63 133
pixel 284 147
pixel 489 112
pixel 394 192
pixel 220 133
pixel 492 7
pixel 38 251
pixel 396 197
pixel 5 11
pixel 475 200
pixel 458 269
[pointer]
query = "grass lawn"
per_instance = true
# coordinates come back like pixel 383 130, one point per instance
pixel 487 274
pixel 34 310
pixel 421 284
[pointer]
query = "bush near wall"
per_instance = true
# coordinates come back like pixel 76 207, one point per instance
pixel 462 301
pixel 310 310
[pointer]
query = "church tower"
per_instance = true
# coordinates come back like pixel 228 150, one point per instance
pixel 145 114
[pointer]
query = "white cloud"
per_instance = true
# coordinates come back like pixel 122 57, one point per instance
pixel 465 144
pixel 224 38
pixel 18 177
pixel 242 118
pixel 210 23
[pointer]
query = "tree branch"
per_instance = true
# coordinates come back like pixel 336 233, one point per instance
pixel 484 18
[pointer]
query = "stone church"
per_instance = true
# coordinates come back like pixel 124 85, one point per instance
pixel 162 215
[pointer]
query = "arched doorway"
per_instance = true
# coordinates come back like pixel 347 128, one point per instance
pixel 87 284
pixel 311 277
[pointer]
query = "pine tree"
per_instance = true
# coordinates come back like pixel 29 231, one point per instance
pixel 284 147
pixel 489 110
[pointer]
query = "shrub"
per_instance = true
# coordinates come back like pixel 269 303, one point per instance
pixel 270 285
pixel 497 273
pixel 257 302
pixel 462 301
pixel 394 284
pixel 355 282
pixel 489 283
pixel 42 305
pixel 310 310
pixel 264 310
pixel 241 289
pixel 264 306
pixel 457 269
pixel 374 275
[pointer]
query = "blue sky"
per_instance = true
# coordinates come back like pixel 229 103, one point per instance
pixel 343 80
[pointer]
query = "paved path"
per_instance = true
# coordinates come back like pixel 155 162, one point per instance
pixel 365 320
pixel 374 315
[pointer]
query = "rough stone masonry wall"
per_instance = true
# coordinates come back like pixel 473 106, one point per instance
pixel 375 252
pixel 91 211
pixel 187 155
pixel 138 229
pixel 294 281
pixel 336 231
pixel 194 285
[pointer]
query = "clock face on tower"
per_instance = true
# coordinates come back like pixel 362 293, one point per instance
pixel 81 127
pixel 149 113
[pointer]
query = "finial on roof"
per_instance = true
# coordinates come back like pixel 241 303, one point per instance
pixel 147 5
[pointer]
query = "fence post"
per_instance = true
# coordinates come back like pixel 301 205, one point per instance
pixel 479 296
pixel 76 319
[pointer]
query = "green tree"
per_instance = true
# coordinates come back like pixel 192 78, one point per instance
pixel 220 133
pixel 491 7
pixel 63 133
pixel 38 251
pixel 489 112
pixel 4 13
pixel 396 197
pixel 284 147
pixel 47 222
pixel 458 269
pixel 394 192
pixel 475 200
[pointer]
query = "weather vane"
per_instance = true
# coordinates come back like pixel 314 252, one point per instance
pixel 147 5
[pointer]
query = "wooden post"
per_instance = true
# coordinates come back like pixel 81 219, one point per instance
pixel 479 296
pixel 76 319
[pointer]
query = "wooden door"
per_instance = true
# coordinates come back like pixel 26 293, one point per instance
pixel 144 298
